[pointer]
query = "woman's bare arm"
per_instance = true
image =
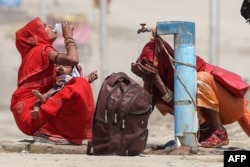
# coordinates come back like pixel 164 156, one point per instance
pixel 71 56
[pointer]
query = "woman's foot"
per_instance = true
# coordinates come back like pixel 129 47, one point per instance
pixel 91 76
pixel 35 112
pixel 39 96
pixel 216 139
pixel 44 138
pixel 204 133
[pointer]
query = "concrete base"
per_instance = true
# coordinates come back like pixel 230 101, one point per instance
pixel 29 146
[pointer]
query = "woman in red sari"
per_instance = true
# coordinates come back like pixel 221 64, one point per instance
pixel 65 118
pixel 216 106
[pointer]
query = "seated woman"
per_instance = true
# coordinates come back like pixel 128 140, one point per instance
pixel 65 118
pixel 216 106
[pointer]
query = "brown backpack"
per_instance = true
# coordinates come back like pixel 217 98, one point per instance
pixel 121 117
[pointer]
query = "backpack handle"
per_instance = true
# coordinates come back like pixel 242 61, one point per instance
pixel 115 78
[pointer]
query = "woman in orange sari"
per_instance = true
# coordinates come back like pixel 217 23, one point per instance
pixel 65 118
pixel 216 106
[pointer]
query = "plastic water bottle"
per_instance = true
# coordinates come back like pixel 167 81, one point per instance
pixel 57 28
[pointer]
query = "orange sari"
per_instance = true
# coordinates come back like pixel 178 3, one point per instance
pixel 69 113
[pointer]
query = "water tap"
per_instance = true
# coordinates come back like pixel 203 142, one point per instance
pixel 143 29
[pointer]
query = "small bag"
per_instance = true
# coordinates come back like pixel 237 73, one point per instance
pixel 121 117
pixel 229 80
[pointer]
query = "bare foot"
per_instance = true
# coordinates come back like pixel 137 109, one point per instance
pixel 39 96
pixel 34 113
pixel 91 76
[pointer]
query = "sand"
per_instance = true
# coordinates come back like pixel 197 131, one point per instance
pixel 122 48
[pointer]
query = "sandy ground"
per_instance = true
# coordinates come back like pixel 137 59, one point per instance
pixel 122 46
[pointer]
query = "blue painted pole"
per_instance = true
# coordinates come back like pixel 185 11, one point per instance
pixel 186 120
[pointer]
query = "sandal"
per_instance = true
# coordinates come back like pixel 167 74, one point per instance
pixel 204 133
pixel 44 138
pixel 216 139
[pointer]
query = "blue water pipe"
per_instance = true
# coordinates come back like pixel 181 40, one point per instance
pixel 186 120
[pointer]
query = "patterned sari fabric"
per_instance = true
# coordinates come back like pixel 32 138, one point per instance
pixel 69 113
pixel 210 94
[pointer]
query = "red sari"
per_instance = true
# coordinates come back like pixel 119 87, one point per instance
pixel 69 113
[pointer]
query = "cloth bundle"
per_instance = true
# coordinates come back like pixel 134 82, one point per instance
pixel 231 81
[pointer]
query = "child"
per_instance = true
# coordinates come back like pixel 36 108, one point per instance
pixel 64 74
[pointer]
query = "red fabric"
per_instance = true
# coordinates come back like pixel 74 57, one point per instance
pixel 30 42
pixel 164 66
pixel 72 107
pixel 231 108
pixel 229 80
pixel 69 113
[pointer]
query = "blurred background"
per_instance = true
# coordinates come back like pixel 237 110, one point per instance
pixel 108 41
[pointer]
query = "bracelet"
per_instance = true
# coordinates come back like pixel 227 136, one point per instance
pixel 68 44
pixel 168 96
pixel 68 38
pixel 56 58
pixel 69 41
pixel 67 47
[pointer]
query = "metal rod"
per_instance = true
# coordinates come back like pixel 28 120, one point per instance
pixel 214 28
pixel 103 38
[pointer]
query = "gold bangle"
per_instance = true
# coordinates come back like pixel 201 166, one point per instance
pixel 67 47
pixel 66 44
pixel 68 38
pixel 68 41
pixel 65 40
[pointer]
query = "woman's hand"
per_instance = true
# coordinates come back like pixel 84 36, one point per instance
pixel 145 71
pixel 67 29
pixel 70 58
